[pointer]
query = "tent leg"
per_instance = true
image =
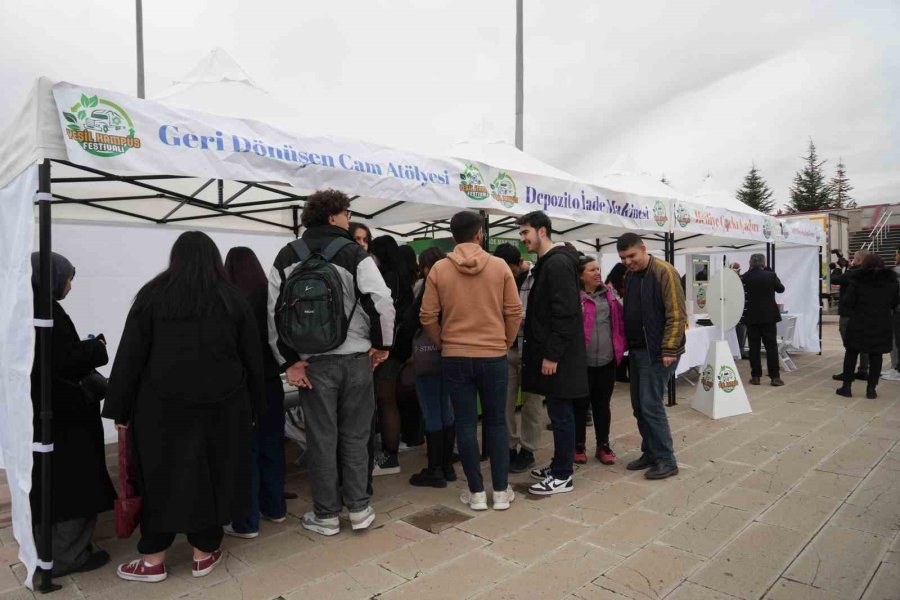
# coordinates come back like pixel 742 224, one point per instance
pixel 669 250
pixel 296 226
pixel 821 279
pixel 486 244
pixel 44 323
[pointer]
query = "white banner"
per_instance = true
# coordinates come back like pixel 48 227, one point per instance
pixel 689 217
pixel 117 132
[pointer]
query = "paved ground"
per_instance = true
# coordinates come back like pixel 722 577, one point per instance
pixel 799 500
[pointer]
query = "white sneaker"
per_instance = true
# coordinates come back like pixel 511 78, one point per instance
pixel 891 375
pixel 229 530
pixel 331 526
pixel 362 519
pixel 551 485
pixel 503 498
pixel 475 500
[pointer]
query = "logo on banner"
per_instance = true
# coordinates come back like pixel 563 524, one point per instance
pixel 503 190
pixel 767 229
pixel 701 296
pixel 728 380
pixel 660 215
pixel 100 127
pixel 471 183
pixel 682 216
pixel 706 378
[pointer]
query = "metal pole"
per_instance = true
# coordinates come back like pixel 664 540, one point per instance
pixel 520 78
pixel 772 266
pixel 220 191
pixel 44 324
pixel 139 20
pixel 669 251
pixel 821 278
pixel 296 219
pixel 485 243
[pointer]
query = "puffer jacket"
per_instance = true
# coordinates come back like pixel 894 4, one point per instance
pixel 662 309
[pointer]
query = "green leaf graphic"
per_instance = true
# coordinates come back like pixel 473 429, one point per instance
pixel 73 127
pixel 75 107
pixel 93 101
pixel 70 117
pixel 85 101
pixel 82 114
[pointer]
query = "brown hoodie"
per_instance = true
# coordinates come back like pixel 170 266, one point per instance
pixel 471 305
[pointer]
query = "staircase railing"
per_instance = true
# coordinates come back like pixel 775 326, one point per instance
pixel 879 231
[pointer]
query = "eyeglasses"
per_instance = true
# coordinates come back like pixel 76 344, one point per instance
pixel 348 213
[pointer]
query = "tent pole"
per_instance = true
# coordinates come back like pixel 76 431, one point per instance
pixel 821 279
pixel 44 325
pixel 772 266
pixel 486 244
pixel 296 220
pixel 139 20
pixel 520 78
pixel 669 251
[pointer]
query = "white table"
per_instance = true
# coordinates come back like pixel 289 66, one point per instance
pixel 696 346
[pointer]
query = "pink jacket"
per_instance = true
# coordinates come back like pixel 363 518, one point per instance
pixel 616 316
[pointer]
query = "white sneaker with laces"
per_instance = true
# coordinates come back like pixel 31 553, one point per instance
pixel 248 535
pixel 362 519
pixel 503 498
pixel 551 485
pixel 475 500
pixel 891 375
pixel 541 473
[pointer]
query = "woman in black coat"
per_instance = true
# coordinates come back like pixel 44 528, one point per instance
pixel 187 381
pixel 81 487
pixel 869 301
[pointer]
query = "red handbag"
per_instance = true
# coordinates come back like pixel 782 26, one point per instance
pixel 128 505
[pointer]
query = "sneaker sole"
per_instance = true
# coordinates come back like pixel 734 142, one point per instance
pixel 273 520
pixel 538 477
pixel 657 478
pixel 243 536
pixel 207 570
pixel 321 530
pixel 551 492
pixel 477 506
pixel 142 578
pixel 388 471
pixel 363 524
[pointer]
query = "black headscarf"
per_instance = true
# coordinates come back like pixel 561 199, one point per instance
pixel 61 271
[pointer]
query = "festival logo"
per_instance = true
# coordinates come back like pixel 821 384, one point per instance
pixel 701 296
pixel 660 214
pixel 728 380
pixel 767 229
pixel 100 127
pixel 472 184
pixel 706 378
pixel 503 190
pixel 682 216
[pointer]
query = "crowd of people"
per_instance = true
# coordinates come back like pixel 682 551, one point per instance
pixel 196 384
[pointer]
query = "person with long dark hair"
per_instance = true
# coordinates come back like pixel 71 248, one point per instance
pixel 869 303
pixel 80 482
pixel 396 275
pixel 616 280
pixel 361 234
pixel 604 337
pixel 433 396
pixel 186 383
pixel 267 446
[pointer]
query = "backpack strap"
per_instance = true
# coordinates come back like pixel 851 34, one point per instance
pixel 329 252
pixel 300 249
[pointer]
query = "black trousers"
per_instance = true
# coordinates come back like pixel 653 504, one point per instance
pixel 207 540
pixel 850 357
pixel 601 381
pixel 765 333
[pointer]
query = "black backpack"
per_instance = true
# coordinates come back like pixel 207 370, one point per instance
pixel 311 318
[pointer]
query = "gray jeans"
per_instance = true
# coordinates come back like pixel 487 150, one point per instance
pixel 338 411
pixel 863 357
pixel 534 415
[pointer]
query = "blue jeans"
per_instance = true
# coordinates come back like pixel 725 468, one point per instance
pixel 267 466
pixel 467 380
pixel 649 379
pixel 562 418
pixel 434 402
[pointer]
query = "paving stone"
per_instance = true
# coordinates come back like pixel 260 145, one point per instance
pixel 436 519
pixel 599 507
pixel 839 560
pixel 886 583
pixel 358 583
pixel 785 589
pixel 627 533
pixel 493 524
pixel 684 496
pixel 558 574
pixel 707 529
pixel 459 579
pixel 750 563
pixel 410 561
pixel 746 499
pixel 800 512
pixel 827 485
pixel 273 548
pixel 594 592
pixel 761 448
pixel 691 591
pixel 537 539
pixel 655 570
pixel 857 456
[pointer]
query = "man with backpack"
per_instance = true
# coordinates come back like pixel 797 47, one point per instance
pixel 331 321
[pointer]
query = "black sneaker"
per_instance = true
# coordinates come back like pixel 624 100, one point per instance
pixel 429 477
pixel 861 375
pixel 644 462
pixel 551 485
pixel 661 471
pixel 541 473
pixel 524 461
pixel 838 376
pixel 512 455
pixel 386 464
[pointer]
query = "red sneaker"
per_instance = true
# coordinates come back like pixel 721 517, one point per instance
pixel 580 457
pixel 606 456
pixel 205 566
pixel 138 570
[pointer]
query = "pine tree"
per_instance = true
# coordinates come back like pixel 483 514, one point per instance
pixel 810 191
pixel 755 192
pixel 841 188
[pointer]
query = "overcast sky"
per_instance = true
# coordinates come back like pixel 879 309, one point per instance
pixel 685 88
